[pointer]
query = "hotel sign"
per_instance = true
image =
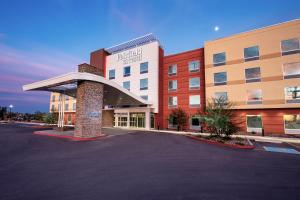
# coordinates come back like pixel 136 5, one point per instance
pixel 131 56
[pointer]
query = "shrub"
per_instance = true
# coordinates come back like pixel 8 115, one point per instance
pixel 179 117
pixel 217 117
pixel 51 118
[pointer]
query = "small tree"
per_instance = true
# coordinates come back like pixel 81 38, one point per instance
pixel 50 118
pixel 218 116
pixel 179 117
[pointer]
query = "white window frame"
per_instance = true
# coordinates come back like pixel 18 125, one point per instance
pixel 250 58
pixel 252 78
pixel 172 106
pixel 194 105
pixel 282 52
pixel 197 69
pixel 109 74
pixel 254 101
pixel 283 71
pixel 254 129
pixel 172 89
pixel 220 83
pixel 223 63
pixel 195 127
pixel 172 74
pixel 290 131
pixel 194 88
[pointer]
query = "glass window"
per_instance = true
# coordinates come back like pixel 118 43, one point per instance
pixel 145 97
pixel 292 122
pixel 254 121
pixel 290 46
pixel 122 121
pixel 126 85
pixel 66 106
pixel 172 101
pixel 111 74
pixel 221 95
pixel 194 83
pixel 220 78
pixel 173 122
pixel 194 66
pixel 74 106
pixel 66 97
pixel 53 97
pixel 172 70
pixel 254 96
pixel 219 59
pixel 144 68
pixel 252 75
pixel 53 108
pixel 291 70
pixel 292 94
pixel 195 122
pixel 126 71
pixel 195 100
pixel 172 85
pixel 251 53
pixel 144 84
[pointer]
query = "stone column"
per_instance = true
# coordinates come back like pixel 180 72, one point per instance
pixel 89 105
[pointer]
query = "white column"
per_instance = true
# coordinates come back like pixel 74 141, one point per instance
pixel 128 119
pixel 59 111
pixel 63 111
pixel 116 120
pixel 147 119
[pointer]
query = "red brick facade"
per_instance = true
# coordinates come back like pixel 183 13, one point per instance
pixel 183 75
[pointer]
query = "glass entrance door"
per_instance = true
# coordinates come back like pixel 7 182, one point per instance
pixel 137 120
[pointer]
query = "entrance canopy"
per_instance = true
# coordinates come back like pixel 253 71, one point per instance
pixel 113 95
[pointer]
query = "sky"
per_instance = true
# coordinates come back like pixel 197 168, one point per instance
pixel 44 38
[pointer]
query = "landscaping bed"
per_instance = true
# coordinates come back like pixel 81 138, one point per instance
pixel 234 142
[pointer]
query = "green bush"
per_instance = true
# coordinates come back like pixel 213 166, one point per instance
pixel 51 118
pixel 217 118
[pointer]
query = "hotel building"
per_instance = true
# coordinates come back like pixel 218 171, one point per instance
pixel 258 71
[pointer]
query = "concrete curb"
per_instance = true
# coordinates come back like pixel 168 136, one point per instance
pixel 251 137
pixel 68 136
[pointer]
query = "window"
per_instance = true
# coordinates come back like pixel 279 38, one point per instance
pixel 195 122
pixel 220 78
pixel 144 84
pixel 122 121
pixel 66 97
pixel 53 98
pixel 69 119
pixel 254 96
pixel 290 46
pixel 111 74
pixel 251 53
pixel 194 66
pixel 195 100
pixel 74 106
pixel 252 75
pixel 291 70
pixel 172 85
pixel 126 85
pixel 126 71
pixel 145 97
pixel 292 94
pixel 53 108
pixel 194 83
pixel 254 123
pixel 173 122
pixel 172 70
pixel 219 59
pixel 221 96
pixel 172 101
pixel 144 68
pixel 292 124
pixel 66 106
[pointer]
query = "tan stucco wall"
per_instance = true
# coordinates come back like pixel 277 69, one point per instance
pixel 56 102
pixel 271 65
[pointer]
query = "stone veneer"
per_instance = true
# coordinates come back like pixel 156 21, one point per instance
pixel 89 105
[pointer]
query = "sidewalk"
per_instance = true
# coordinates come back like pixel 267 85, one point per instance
pixel 251 137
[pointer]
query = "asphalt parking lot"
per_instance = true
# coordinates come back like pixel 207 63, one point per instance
pixel 139 165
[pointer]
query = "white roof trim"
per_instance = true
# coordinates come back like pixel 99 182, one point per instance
pixel 77 76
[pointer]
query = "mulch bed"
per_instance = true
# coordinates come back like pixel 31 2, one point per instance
pixel 233 142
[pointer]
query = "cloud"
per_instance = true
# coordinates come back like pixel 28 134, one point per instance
pixel 19 67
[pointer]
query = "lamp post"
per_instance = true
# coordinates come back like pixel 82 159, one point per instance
pixel 10 107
